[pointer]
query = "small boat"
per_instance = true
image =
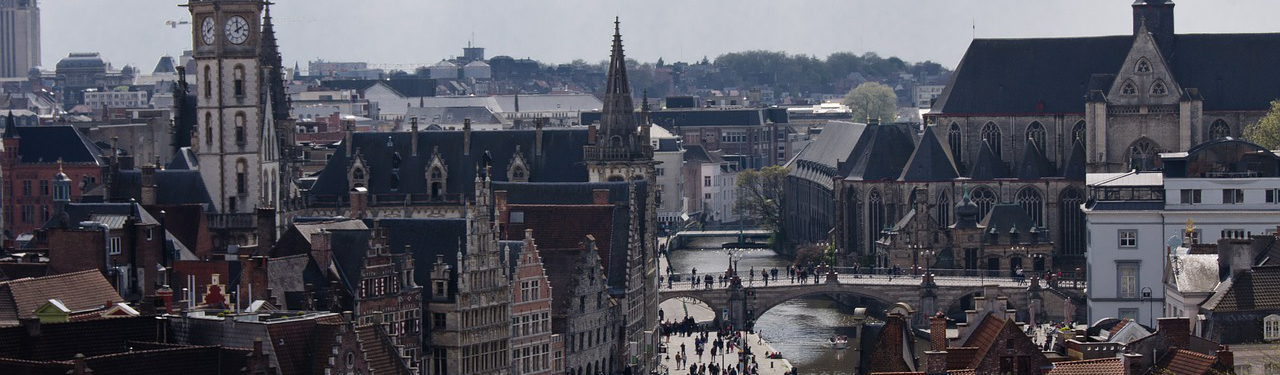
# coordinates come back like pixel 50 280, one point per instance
pixel 839 342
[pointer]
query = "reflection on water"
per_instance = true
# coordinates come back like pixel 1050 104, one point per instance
pixel 798 328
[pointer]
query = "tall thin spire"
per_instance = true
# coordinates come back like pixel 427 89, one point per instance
pixel 618 116
pixel 270 58
pixel 10 126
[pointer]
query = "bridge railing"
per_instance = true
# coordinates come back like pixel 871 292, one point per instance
pixel 942 276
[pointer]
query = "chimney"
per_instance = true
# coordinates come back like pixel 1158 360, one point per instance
pixel 935 362
pixel 148 185
pixel 938 332
pixel 537 137
pixel 1177 331
pixel 321 248
pixel 500 205
pixel 349 126
pixel 591 134
pixel 600 196
pixel 359 202
pixel 80 367
pixel 1226 357
pixel 466 136
pixel 1132 364
pixel 413 139
pixel 266 228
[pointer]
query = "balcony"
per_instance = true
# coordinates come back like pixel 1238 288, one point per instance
pixel 605 153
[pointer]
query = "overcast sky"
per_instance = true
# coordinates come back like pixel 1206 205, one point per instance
pixel 420 32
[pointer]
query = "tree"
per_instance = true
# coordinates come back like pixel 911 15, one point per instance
pixel 872 100
pixel 1266 132
pixel 760 195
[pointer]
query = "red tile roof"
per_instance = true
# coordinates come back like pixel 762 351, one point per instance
pixel 1100 366
pixel 1186 362
pixel 83 290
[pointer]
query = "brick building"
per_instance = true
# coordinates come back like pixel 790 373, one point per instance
pixel 533 349
pixel 28 172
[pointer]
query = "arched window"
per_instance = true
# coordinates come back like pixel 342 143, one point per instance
pixel 1143 66
pixel 944 209
pixel 1271 327
pixel 1078 132
pixel 1035 132
pixel 1159 88
pixel 955 139
pixel 1071 221
pixel 991 135
pixel 395 160
pixel 208 82
pixel 358 174
pixel 984 198
pixel 854 228
pixel 1129 89
pixel 1033 203
pixel 436 182
pixel 241 137
pixel 1219 130
pixel 242 177
pixel 208 128
pixel 875 217
pixel 395 182
pixel 238 77
pixel 1142 155
pixel 518 174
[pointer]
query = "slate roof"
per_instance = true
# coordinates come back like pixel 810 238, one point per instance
pixel 1006 216
pixel 20 298
pixel 835 144
pixel 561 159
pixel 407 87
pixel 452 115
pixel 1074 167
pixel 698 154
pixel 47 144
pixel 1012 75
pixel 677 118
pixel 1113 365
pixel 427 238
pixel 880 154
pixel 1257 289
pixel 62 341
pixel 1033 165
pixel 348 249
pixel 173 187
pixel 931 161
pixel 988 166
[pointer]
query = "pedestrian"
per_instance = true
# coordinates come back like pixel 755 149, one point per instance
pixel 695 271
pixel 765 274
pixel 774 272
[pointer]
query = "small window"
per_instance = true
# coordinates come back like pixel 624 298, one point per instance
pixel 1159 89
pixel 113 245
pixel 517 217
pixel 438 320
pixel 1129 89
pixel 1128 238
pixel 1190 196
pixel 1193 237
pixel 1271 327
pixel 1232 196
pixel 1143 66
pixel 706 180
pixel 1273 195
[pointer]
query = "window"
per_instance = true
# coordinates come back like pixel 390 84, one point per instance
pixel 1193 237
pixel 1158 88
pixel 1219 130
pixel 1243 369
pixel 1143 66
pixel 113 245
pixel 985 198
pixel 1232 196
pixel 1129 313
pixel 955 140
pixel 1142 155
pixel 1031 201
pixel 944 210
pixel 208 128
pixel 1128 238
pixel 240 125
pixel 44 188
pixel 661 172
pixel 238 84
pixel 991 135
pixel 1271 327
pixel 26 188
pixel 208 83
pixel 1078 132
pixel 1127 272
pixel 1273 195
pixel 1129 89
pixel 517 217
pixel 1035 133
pixel 706 180
pixel 28 213
pixel 1190 196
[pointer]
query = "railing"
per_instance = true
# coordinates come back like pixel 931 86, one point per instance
pixel 1246 174
pixel 615 153
pixel 231 221
pixel 882 276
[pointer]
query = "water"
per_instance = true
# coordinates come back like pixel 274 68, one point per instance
pixel 798 328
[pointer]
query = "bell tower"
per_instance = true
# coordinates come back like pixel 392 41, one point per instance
pixel 620 150
pixel 234 136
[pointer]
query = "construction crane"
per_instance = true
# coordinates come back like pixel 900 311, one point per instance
pixel 174 24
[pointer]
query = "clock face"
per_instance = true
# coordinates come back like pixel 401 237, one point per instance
pixel 237 30
pixel 208 30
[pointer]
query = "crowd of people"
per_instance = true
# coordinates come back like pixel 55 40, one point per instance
pixel 709 343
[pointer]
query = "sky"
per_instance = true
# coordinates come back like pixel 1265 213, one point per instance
pixel 400 34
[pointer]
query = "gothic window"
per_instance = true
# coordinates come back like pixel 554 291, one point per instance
pixel 208 128
pixel 357 174
pixel 944 209
pixel 1219 130
pixel 954 140
pixel 1035 132
pixel 1078 132
pixel 984 198
pixel 1071 221
pixel 1158 88
pixel 518 174
pixel 1271 327
pixel 875 216
pixel 242 177
pixel 1033 203
pixel 437 182
pixel 240 131
pixel 1142 155
pixel 395 161
pixel 855 220
pixel 238 83
pixel 208 83
pixel 991 135
pixel 1144 66
pixel 1129 89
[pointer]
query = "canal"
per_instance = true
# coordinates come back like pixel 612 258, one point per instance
pixel 799 328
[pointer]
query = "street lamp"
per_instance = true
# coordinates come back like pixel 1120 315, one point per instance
pixel 1146 295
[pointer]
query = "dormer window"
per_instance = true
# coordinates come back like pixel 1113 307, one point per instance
pixel 1129 89
pixel 1143 66
pixel 1158 88
pixel 1271 327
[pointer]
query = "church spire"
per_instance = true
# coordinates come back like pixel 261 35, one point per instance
pixel 10 126
pixel 274 64
pixel 618 120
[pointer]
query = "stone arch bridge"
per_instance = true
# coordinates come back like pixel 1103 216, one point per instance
pixel 740 303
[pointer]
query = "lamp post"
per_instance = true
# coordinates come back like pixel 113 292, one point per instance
pixel 1146 295
pixel 928 261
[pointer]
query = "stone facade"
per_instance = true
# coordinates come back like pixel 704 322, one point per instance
pixel 387 295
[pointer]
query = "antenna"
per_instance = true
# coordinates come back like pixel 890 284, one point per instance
pixel 974 24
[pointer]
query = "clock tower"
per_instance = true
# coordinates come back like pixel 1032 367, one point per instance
pixel 235 137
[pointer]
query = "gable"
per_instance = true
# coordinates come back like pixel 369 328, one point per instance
pixel 1144 77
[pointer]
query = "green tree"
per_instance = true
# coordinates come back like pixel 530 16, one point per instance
pixel 1266 132
pixel 760 195
pixel 872 100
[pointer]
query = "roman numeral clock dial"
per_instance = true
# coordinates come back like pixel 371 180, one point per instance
pixel 237 30
pixel 208 30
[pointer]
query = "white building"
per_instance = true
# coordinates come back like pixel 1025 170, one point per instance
pixel 719 191
pixel 925 94
pixel 444 70
pixel 116 99
pixel 670 171
pixel 1224 188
